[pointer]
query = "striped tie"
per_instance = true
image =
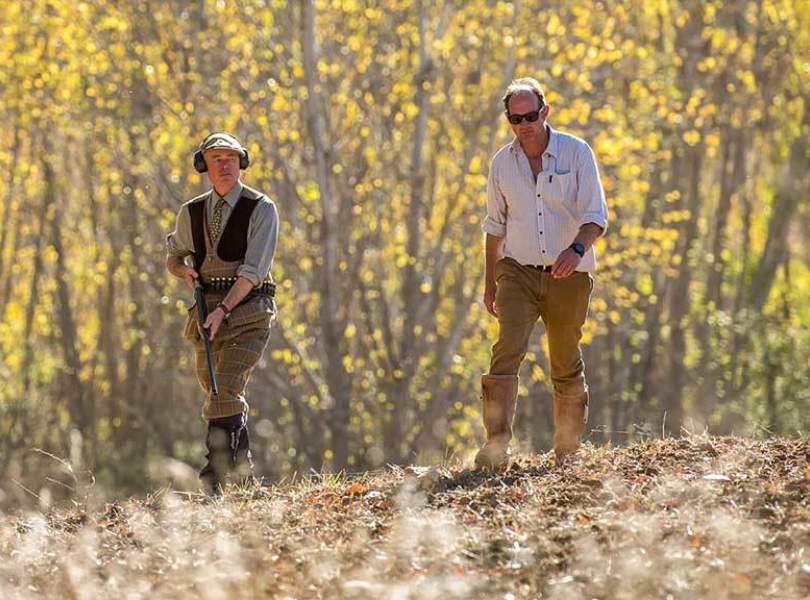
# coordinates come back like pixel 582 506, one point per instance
pixel 216 221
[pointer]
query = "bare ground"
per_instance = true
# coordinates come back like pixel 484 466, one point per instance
pixel 697 517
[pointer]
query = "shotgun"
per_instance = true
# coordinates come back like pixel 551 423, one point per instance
pixel 203 312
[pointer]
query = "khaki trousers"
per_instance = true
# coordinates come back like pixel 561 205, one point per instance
pixel 525 294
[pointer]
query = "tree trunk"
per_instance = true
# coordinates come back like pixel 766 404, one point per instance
pixel 776 247
pixel 82 417
pixel 8 218
pixel 679 302
pixel 332 313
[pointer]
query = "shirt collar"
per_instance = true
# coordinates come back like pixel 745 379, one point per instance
pixel 552 148
pixel 232 196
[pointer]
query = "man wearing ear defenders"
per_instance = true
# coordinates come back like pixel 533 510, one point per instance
pixel 545 209
pixel 229 236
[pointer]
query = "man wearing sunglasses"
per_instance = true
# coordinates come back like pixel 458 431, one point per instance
pixel 545 209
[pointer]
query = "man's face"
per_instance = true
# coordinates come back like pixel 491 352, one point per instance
pixel 223 167
pixel 525 103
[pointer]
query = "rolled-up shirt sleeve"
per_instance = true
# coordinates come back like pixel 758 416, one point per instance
pixel 261 244
pixel 590 194
pixel 495 221
pixel 179 242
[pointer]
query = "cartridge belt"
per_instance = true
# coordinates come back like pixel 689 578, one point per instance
pixel 223 284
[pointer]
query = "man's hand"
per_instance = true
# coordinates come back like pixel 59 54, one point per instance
pixel 567 261
pixel 489 299
pixel 188 275
pixel 177 267
pixel 213 321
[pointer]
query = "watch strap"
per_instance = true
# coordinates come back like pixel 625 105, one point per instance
pixel 224 308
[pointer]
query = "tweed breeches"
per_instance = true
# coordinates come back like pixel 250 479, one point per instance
pixel 237 349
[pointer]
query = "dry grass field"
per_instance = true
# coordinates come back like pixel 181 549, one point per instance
pixel 696 517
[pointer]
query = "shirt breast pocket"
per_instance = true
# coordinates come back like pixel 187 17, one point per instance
pixel 564 187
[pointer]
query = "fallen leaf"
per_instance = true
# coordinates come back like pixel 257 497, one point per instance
pixel 356 489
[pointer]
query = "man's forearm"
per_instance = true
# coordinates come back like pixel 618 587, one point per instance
pixel 237 293
pixel 493 253
pixel 588 234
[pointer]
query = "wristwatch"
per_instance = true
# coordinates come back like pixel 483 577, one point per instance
pixel 225 309
pixel 578 248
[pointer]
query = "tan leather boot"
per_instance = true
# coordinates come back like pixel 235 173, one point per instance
pixel 570 416
pixel 499 395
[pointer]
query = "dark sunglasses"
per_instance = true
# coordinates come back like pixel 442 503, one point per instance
pixel 531 117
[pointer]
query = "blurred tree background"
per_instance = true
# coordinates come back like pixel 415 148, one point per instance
pixel 371 124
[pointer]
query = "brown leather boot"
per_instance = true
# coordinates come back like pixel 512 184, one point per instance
pixel 570 416
pixel 499 395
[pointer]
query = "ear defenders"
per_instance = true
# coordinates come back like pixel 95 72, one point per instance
pixel 225 141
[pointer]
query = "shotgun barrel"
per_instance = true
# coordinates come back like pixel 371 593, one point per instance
pixel 203 312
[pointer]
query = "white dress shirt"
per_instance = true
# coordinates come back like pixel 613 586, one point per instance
pixel 539 219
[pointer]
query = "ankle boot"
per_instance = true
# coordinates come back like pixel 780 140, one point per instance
pixel 243 460
pixel 221 441
pixel 570 417
pixel 499 396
